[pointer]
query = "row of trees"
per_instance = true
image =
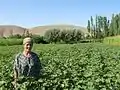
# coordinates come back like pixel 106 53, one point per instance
pixel 100 26
pixel 65 36
pixel 56 36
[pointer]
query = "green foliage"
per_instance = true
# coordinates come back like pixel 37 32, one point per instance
pixel 52 36
pixel 66 66
pixel 88 27
pixel 17 39
pixel 115 25
pixel 38 39
pixel 102 27
pixel 9 42
pixel 66 36
pixel 78 35
pixel 17 36
pixel 98 28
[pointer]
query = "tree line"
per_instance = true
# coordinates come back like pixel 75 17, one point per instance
pixel 101 27
pixel 55 36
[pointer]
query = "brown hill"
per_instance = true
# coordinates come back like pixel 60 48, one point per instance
pixel 40 30
pixel 7 30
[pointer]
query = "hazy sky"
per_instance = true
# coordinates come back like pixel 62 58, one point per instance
pixel 29 13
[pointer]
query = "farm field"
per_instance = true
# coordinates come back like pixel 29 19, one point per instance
pixel 66 66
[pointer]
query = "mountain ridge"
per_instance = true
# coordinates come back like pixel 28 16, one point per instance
pixel 7 30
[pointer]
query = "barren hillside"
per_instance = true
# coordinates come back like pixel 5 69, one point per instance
pixel 40 30
pixel 7 30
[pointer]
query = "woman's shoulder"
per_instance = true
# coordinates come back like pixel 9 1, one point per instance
pixel 34 54
pixel 18 54
pixel 17 57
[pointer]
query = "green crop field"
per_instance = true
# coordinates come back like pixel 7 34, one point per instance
pixel 66 66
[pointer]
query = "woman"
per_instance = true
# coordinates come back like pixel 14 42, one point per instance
pixel 27 63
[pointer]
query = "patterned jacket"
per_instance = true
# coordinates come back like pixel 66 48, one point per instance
pixel 25 66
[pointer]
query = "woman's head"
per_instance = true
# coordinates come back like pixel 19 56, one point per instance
pixel 28 44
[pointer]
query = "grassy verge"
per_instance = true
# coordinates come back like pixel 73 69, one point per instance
pixel 9 42
pixel 112 40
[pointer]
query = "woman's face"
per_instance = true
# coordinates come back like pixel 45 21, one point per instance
pixel 27 47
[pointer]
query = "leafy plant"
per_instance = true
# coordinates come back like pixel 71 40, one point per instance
pixel 66 66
